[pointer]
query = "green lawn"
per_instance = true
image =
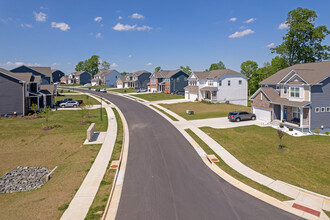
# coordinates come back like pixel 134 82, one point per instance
pixel 25 143
pixel 86 99
pixel 305 161
pixel 66 91
pixel 162 111
pixel 99 203
pixel 126 90
pixel 72 85
pixel 203 110
pixel 158 96
pixel 234 173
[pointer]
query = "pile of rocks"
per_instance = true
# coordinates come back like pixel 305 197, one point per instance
pixel 23 179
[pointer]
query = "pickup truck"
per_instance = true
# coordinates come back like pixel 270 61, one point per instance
pixel 58 103
pixel 69 104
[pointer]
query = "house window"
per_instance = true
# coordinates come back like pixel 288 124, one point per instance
pixel 193 83
pixel 260 96
pixel 294 92
pixel 322 109
pixel 317 109
pixel 178 79
pixel 185 79
pixel 228 82
pixel 210 82
pixel 239 82
pixel 328 109
pixel 220 82
pixel 295 112
pixel 285 90
pixel 153 81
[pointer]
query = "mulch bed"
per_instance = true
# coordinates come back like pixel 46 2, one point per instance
pixel 47 128
pixel 29 117
pixel 83 123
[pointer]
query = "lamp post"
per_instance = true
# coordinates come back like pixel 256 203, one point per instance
pixel 101 108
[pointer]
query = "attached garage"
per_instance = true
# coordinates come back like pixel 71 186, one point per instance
pixel 191 93
pixel 262 114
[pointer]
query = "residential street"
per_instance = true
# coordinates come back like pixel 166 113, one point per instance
pixel 166 179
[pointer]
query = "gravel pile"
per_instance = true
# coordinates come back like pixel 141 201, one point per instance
pixel 23 179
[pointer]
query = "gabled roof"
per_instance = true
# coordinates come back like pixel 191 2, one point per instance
pixel 166 73
pixel 26 77
pixel 138 73
pixel 312 73
pixel 105 72
pixel 47 89
pixel 43 70
pixel 79 73
pixel 216 74
pixel 273 96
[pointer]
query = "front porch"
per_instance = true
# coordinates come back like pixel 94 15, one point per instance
pixel 209 94
pixel 292 116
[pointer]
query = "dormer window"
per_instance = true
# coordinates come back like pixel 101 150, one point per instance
pixel 220 82
pixel 210 82
pixel 295 92
pixel 285 90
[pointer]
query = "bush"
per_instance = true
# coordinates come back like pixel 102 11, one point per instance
pixel 327 132
pixel 281 126
pixel 290 128
pixel 317 130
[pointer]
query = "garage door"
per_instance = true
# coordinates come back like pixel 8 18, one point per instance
pixel 262 114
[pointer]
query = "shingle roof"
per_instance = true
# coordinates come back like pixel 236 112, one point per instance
pixel 47 89
pixel 215 74
pixel 275 98
pixel 138 73
pixel 20 76
pixel 312 73
pixel 79 73
pixel 44 70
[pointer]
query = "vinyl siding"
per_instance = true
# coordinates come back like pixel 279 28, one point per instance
pixel 111 78
pixel 11 95
pixel 320 96
pixel 178 85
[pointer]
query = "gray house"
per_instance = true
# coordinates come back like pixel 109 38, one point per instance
pixel 44 72
pixel 137 80
pixel 169 81
pixel 106 77
pixel 298 96
pixel 18 91
pixel 57 75
pixel 80 77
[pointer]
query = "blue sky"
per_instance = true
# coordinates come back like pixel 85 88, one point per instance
pixel 135 35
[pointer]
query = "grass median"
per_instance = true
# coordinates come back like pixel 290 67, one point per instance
pixel 236 174
pixel 304 161
pixel 165 113
pixel 204 110
pixel 25 143
pixel 126 90
pixel 100 201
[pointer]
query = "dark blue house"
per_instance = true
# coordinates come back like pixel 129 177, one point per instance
pixel 57 75
pixel 44 72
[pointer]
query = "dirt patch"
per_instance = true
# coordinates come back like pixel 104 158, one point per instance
pixel 46 128
pixel 83 123
pixel 30 117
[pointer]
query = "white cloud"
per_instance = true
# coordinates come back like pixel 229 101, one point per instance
pixel 43 7
pixel 120 17
pixel 98 35
pixel 98 19
pixel 114 65
pixel 40 17
pixel 16 64
pixel 144 28
pixel 270 45
pixel 62 26
pixel 26 25
pixel 283 26
pixel 233 19
pixel 5 20
pixel 239 34
pixel 123 27
pixel 137 16
pixel 242 27
pixel 130 56
pixel 127 27
pixel 149 64
pixel 55 64
pixel 250 20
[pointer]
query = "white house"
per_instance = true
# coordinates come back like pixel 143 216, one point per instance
pixel 223 86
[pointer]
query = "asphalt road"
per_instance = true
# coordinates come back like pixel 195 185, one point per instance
pixel 166 179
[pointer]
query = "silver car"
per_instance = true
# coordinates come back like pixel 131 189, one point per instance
pixel 69 104
pixel 240 116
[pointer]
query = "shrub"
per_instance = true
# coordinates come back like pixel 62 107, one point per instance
pixel 327 132
pixel 317 130
pixel 290 128
pixel 281 126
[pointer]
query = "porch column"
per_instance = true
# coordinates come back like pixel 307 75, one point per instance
pixel 37 102
pixel 282 113
pixel 301 117
pixel 211 95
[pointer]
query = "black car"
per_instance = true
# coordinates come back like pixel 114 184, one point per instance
pixel 241 115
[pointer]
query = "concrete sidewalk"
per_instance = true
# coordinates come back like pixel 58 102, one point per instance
pixel 300 196
pixel 84 197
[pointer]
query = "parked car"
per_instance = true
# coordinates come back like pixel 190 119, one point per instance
pixel 103 90
pixel 240 116
pixel 97 90
pixel 61 101
pixel 141 90
pixel 69 104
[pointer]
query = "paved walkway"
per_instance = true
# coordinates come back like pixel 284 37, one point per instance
pixel 84 197
pixel 300 196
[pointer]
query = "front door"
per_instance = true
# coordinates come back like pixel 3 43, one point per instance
pixel 207 94
pixel 284 113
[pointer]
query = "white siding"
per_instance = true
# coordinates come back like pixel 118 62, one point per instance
pixel 235 93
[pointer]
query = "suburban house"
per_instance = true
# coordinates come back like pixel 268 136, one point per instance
pixel 298 96
pixel 106 78
pixel 137 80
pixel 224 86
pixel 80 77
pixel 168 81
pixel 44 72
pixel 19 91
pixel 64 80
pixel 57 75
